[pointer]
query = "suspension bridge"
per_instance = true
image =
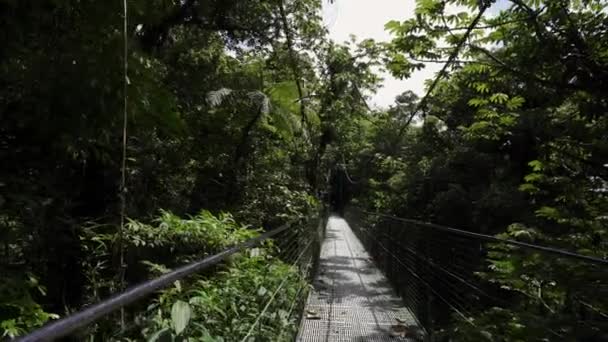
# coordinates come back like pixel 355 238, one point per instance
pixel 377 277
pixel 351 299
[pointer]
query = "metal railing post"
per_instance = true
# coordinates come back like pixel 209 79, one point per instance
pixel 429 295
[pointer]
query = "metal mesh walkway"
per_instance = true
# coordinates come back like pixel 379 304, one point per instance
pixel 352 300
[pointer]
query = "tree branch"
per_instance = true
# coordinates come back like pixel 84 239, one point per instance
pixel 451 58
pixel 293 62
pixel 156 35
pixel 187 14
pixel 446 28
pixel 361 98
pixel 240 149
pixel 533 15
pixel 514 71
pixel 453 61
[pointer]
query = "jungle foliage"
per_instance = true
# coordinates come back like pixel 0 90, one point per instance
pixel 512 142
pixel 230 107
pixel 246 107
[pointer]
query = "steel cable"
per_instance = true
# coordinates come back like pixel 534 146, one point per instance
pixel 490 238
pixel 273 296
pixel 78 320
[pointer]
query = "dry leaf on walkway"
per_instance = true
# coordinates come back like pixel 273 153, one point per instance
pixel 310 314
pixel 399 330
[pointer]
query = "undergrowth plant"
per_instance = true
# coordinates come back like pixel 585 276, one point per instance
pixel 231 305
pixel 220 304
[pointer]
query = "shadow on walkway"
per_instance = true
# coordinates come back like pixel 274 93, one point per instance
pixel 351 299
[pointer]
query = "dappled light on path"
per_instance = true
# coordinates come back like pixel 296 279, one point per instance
pixel 352 300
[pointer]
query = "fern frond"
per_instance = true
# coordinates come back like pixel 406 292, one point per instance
pixel 216 98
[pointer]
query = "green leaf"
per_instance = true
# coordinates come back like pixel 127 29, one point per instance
pixel 477 102
pixel 534 177
pixel 481 87
pixel 163 335
pixel 515 102
pixel 548 212
pixel 499 98
pixel 180 316
pixel 502 266
pixel 392 26
pixel 529 188
pixel 536 165
pixel 427 6
pixel 479 125
pixel 209 338
pixel 507 120
pixel 285 94
pixel 10 328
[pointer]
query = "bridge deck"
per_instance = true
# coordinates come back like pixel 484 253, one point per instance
pixel 352 300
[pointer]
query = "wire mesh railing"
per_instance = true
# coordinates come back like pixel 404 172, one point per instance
pixel 270 276
pixel 468 286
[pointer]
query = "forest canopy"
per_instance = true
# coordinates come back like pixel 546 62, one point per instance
pixel 238 113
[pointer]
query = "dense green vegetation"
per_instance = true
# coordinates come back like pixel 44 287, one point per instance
pixel 512 142
pixel 230 108
pixel 245 107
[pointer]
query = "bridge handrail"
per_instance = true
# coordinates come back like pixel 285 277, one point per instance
pixel 68 325
pixel 491 238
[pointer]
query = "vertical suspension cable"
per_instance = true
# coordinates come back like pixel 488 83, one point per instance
pixel 123 176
